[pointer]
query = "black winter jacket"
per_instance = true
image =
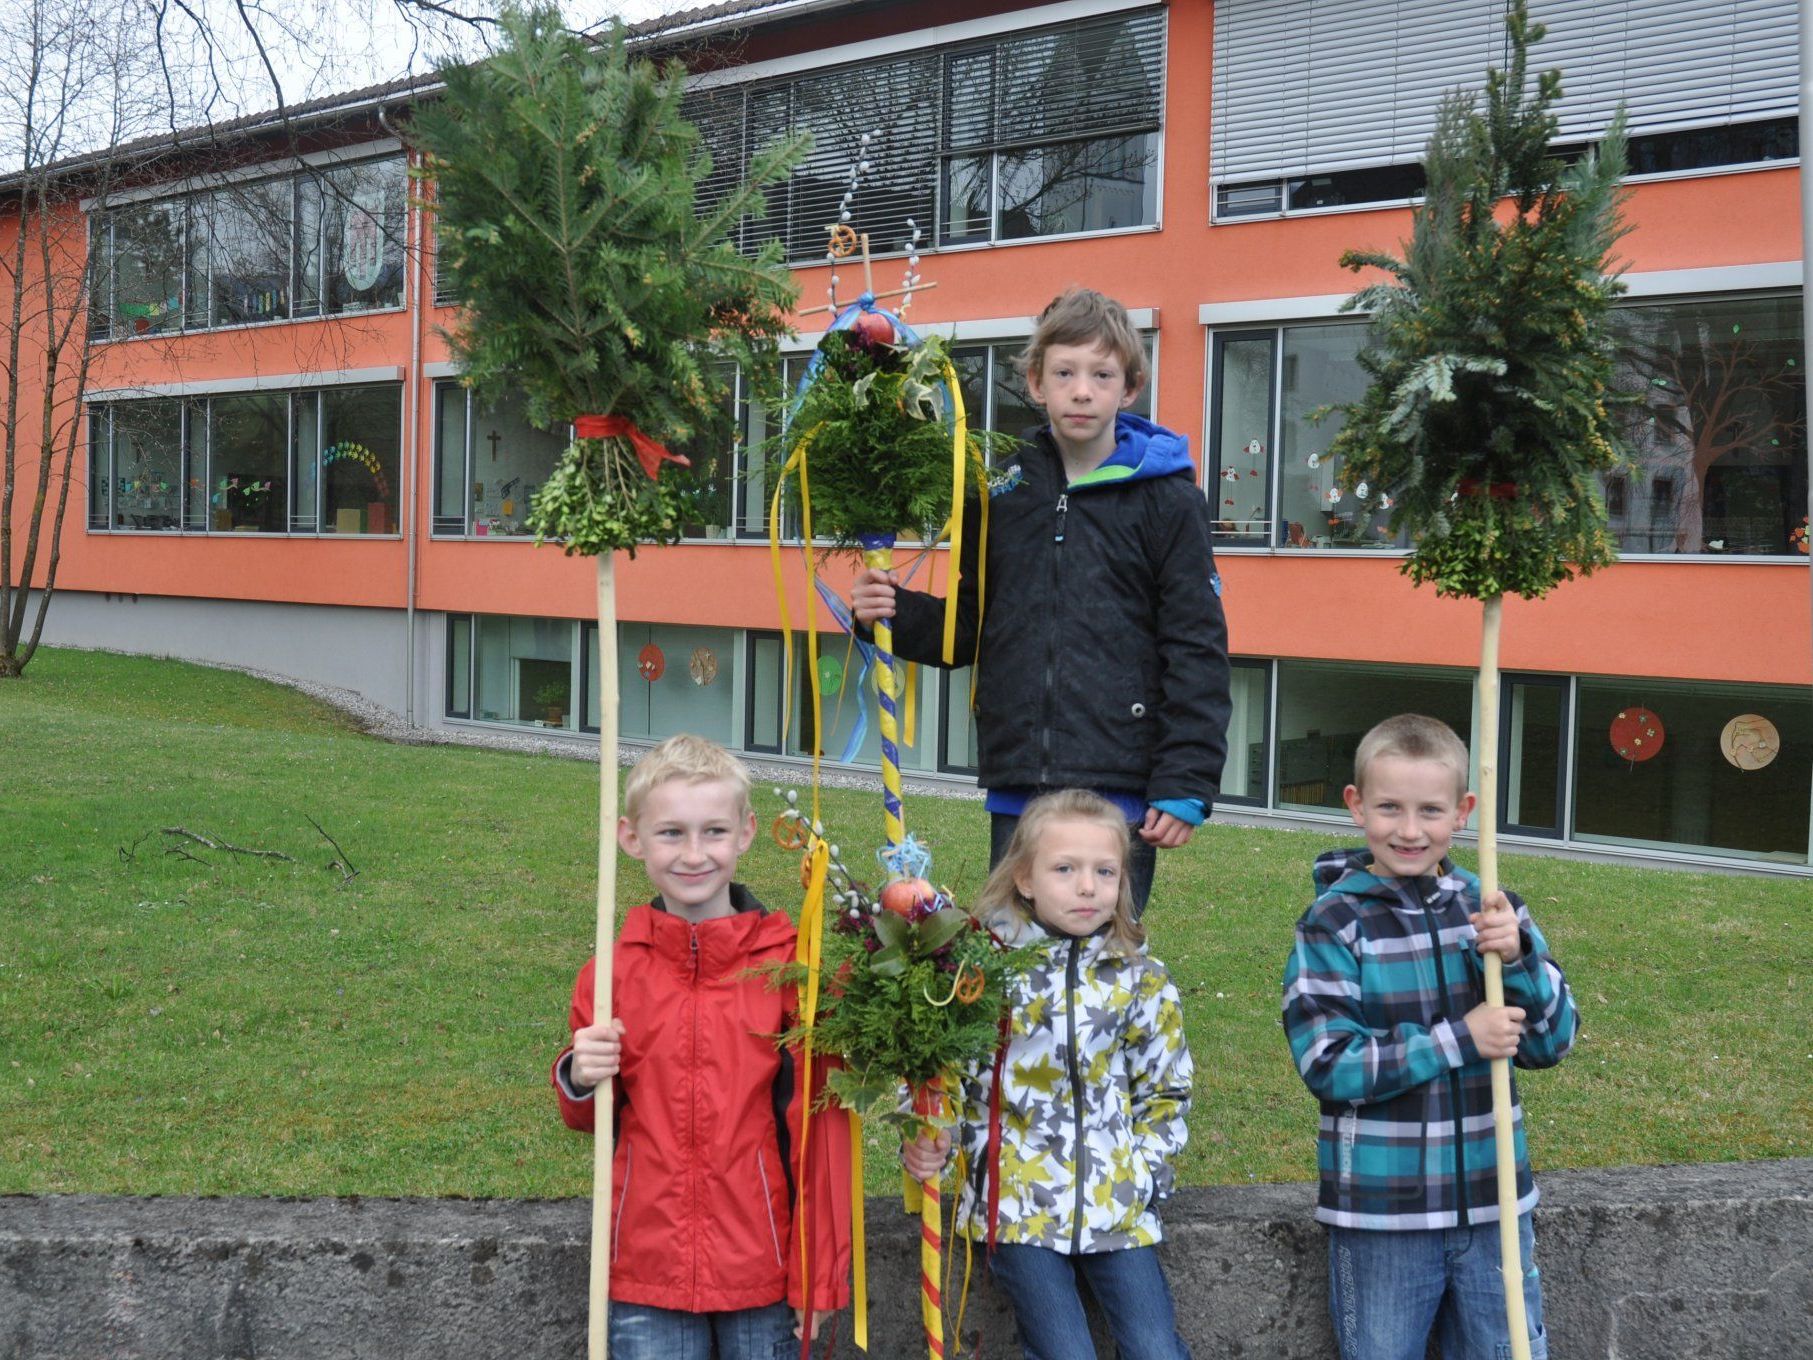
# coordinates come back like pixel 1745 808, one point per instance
pixel 1103 662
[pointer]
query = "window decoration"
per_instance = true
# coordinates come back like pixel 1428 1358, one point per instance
pixel 254 462
pixel 703 667
pixel 651 662
pixel 1750 741
pixel 273 249
pixel 1637 735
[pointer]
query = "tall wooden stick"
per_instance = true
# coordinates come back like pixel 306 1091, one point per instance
pixel 604 1108
pixel 1510 1254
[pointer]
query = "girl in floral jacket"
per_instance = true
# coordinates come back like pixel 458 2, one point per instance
pixel 1067 1139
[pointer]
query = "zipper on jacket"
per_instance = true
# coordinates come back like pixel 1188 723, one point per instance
pixel 1051 643
pixel 694 1173
pixel 629 1162
pixel 1454 1087
pixel 1076 1090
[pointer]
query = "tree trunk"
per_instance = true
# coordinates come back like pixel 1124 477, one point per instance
pixel 603 1139
pixel 1511 1256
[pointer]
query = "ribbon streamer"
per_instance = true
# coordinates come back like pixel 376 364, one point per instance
pixel 649 452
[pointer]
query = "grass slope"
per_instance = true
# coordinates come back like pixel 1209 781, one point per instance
pixel 249 1026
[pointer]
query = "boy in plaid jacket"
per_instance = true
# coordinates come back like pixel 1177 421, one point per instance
pixel 1384 1009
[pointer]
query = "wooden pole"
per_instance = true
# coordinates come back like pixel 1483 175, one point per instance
pixel 1510 1254
pixel 603 1140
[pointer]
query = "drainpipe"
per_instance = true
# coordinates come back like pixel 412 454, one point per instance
pixel 412 433
pixel 1806 241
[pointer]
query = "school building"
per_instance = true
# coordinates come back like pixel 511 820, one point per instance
pixel 282 470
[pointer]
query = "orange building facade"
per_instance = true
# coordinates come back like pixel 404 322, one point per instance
pixel 283 472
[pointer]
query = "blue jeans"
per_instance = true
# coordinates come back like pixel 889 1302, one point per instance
pixel 639 1332
pixel 1042 1286
pixel 1388 1290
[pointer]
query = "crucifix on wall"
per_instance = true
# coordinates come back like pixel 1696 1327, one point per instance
pixel 494 439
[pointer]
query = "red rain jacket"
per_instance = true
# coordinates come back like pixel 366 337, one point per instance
pixel 708 1121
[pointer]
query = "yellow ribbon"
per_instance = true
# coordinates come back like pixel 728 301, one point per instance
pixel 959 466
pixel 859 1271
pixel 806 952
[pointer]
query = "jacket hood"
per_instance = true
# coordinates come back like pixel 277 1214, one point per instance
pixel 1142 449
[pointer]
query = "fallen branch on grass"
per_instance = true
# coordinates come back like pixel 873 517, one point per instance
pixel 348 870
pixel 214 844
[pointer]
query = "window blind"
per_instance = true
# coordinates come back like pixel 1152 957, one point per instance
pixel 1318 86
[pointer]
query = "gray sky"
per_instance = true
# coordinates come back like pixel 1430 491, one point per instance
pixel 115 70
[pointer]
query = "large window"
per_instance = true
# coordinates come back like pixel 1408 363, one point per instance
pixel 1033 134
pixel 488 463
pixel 1718 431
pixel 148 459
pixel 321 241
pixel 1269 437
pixel 258 462
pixel 535 672
pixel 1721 767
pixel 1325 708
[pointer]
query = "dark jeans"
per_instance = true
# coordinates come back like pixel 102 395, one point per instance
pixel 1389 1290
pixel 1043 1286
pixel 1142 861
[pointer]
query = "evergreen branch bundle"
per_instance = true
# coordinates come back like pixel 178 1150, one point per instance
pixel 1487 417
pixel 565 184
pixel 915 991
pixel 874 427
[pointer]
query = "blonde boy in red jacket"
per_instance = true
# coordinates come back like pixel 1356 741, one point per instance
pixel 709 1111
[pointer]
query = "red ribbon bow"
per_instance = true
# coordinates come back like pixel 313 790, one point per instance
pixel 649 452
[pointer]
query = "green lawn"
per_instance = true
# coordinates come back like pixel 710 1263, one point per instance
pixel 249 1026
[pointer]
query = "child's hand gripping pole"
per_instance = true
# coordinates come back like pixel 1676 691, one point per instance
pixel 1505 1142
pixel 928 1104
pixel 878 552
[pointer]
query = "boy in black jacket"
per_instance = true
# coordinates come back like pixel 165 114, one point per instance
pixel 1103 657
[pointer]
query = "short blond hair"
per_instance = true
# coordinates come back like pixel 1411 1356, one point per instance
pixel 693 759
pixel 1082 316
pixel 1412 736
pixel 1125 932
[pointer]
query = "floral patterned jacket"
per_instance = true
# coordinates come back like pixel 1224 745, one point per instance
pixel 1094 1088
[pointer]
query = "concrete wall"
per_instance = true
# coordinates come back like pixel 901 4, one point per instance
pixel 1712 1262
pixel 355 649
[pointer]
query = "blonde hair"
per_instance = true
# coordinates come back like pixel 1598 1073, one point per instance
pixel 1411 736
pixel 1082 316
pixel 687 757
pixel 1125 932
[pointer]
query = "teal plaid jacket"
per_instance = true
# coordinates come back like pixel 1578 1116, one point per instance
pixel 1375 994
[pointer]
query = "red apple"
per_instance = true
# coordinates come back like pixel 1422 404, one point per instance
pixel 903 894
pixel 874 328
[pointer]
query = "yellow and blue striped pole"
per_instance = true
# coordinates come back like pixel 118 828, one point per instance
pixel 878 553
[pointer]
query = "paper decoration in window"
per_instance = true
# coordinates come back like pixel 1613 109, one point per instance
pixel 364 457
pixel 362 239
pixel 1750 741
pixel 1637 734
pixel 830 675
pixel 703 667
pixel 651 662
